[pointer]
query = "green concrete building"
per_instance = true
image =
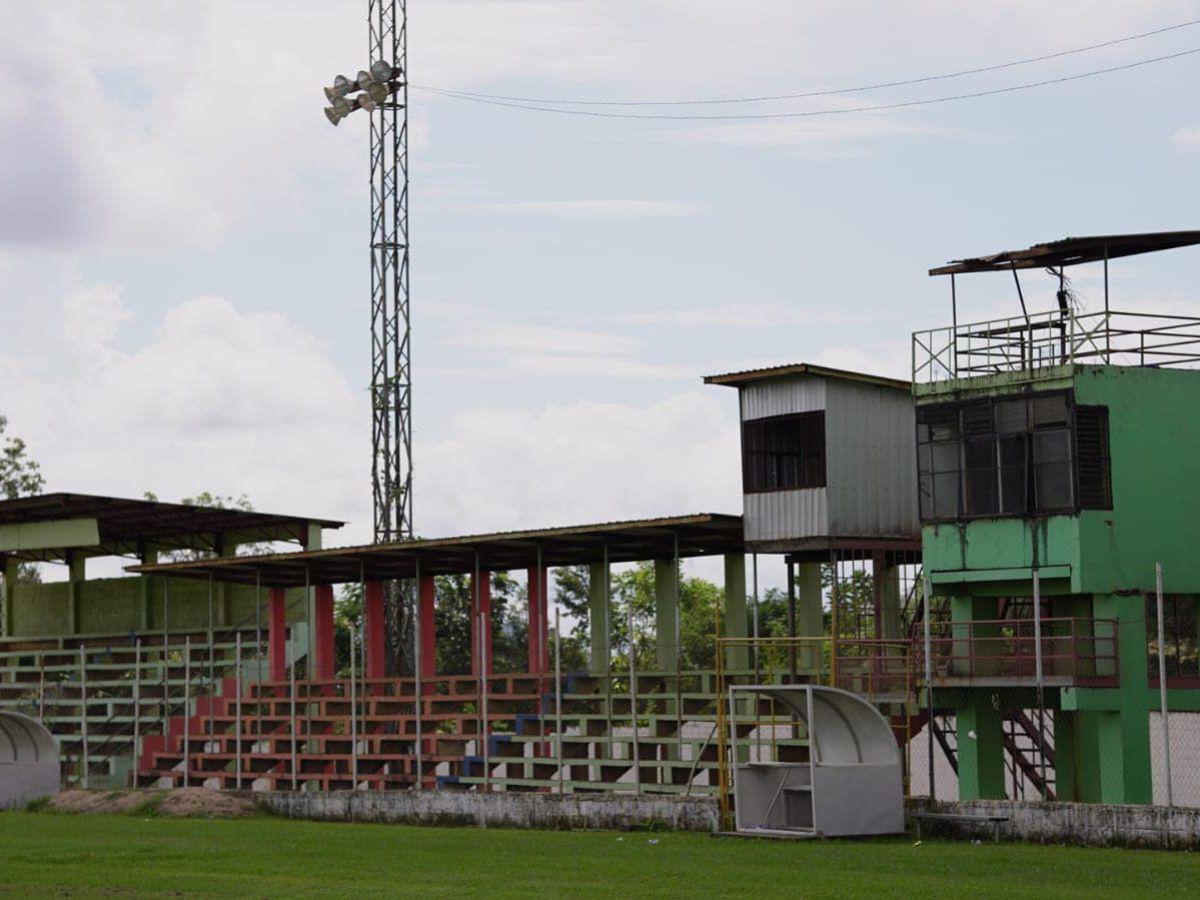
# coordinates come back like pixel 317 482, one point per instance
pixel 1058 458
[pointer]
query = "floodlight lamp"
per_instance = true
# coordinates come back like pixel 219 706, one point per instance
pixel 377 92
pixel 342 106
pixel 333 115
pixel 340 88
pixel 364 79
pixel 365 101
pixel 382 71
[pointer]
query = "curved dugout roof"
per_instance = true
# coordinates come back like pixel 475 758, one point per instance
pixel 25 741
pixel 845 729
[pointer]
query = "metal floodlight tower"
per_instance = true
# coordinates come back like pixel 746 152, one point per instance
pixel 384 96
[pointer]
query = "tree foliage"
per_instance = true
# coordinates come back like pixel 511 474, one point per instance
pixel 20 476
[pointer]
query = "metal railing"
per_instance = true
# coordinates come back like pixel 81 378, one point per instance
pixel 1079 649
pixel 1046 339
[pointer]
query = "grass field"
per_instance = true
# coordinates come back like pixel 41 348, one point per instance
pixel 81 855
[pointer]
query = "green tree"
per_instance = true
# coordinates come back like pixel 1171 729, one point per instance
pixel 20 476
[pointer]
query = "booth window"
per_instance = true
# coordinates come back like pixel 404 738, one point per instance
pixel 783 453
pixel 1012 456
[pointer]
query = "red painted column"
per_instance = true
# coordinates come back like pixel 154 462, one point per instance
pixel 539 617
pixel 481 605
pixel 373 630
pixel 427 591
pixel 277 634
pixel 323 633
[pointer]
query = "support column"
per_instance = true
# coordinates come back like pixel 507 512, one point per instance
pixel 9 619
pixel 886 586
pixel 598 618
pixel 323 664
pixel 736 623
pixel 374 630
pixel 277 634
pixel 225 548
pixel 666 613
pixel 810 614
pixel 979 731
pixel 1122 750
pixel 481 605
pixel 538 594
pixel 427 594
pixel 75 578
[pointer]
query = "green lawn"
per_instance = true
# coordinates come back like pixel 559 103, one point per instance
pixel 72 855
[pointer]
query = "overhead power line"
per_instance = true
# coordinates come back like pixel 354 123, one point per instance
pixel 924 79
pixel 904 104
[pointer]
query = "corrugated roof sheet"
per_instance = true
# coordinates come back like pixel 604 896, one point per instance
pixel 751 375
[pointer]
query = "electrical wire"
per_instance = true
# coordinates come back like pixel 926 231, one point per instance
pixel 903 104
pixel 925 79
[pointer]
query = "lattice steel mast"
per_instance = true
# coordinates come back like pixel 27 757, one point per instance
pixel 391 372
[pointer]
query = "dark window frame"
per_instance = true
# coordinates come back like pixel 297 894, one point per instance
pixel 783 453
pixel 1012 456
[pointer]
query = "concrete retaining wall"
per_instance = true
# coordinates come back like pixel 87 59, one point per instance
pixel 500 809
pixel 1093 824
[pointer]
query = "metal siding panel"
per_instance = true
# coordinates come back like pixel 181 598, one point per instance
pixel 782 396
pixel 870 441
pixel 781 515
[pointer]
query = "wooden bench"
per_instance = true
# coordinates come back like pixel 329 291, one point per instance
pixel 977 818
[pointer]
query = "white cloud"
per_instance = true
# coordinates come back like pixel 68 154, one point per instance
pixel 580 462
pixel 1187 138
pixel 542 338
pixel 597 367
pixel 91 318
pixel 616 208
pixel 750 315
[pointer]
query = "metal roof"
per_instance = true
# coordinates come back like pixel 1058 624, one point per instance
pixel 751 375
pixel 1072 251
pixel 701 534
pixel 124 522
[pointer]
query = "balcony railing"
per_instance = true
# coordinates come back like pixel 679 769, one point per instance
pixel 1042 340
pixel 1073 650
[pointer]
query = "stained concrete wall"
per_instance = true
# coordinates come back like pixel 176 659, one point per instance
pixel 1092 824
pixel 499 809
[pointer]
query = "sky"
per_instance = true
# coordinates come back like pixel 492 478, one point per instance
pixel 183 237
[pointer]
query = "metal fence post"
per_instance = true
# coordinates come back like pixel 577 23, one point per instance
pixel 83 717
pixel 928 643
pixel 558 696
pixel 418 662
pixel 1162 681
pixel 633 710
pixel 237 674
pixel 483 669
pixel 353 716
pixel 187 708
pixel 137 706
pixel 292 695
pixel 1039 675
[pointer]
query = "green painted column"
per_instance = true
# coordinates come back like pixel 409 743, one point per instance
pixel 8 621
pixel 149 557
pixel 76 574
pixel 736 623
pixel 598 618
pixel 1122 751
pixel 980 748
pixel 887 588
pixel 666 613
pixel 225 548
pixel 810 615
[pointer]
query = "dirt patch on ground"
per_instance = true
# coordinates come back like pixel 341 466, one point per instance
pixel 192 802
pixel 195 802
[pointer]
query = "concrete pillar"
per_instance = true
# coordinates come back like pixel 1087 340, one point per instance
pixel 598 618
pixel 666 613
pixel 1122 752
pixel 979 727
pixel 886 587
pixel 9 619
pixel 224 591
pixel 148 556
pixel 312 541
pixel 374 630
pixel 736 622
pixel 538 593
pixel 324 667
pixel 76 574
pixel 810 616
pixel 481 607
pixel 277 634
pixel 427 594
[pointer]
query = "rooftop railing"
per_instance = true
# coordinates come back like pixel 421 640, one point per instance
pixel 1043 340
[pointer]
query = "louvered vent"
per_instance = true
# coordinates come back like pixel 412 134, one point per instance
pixel 1092 459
